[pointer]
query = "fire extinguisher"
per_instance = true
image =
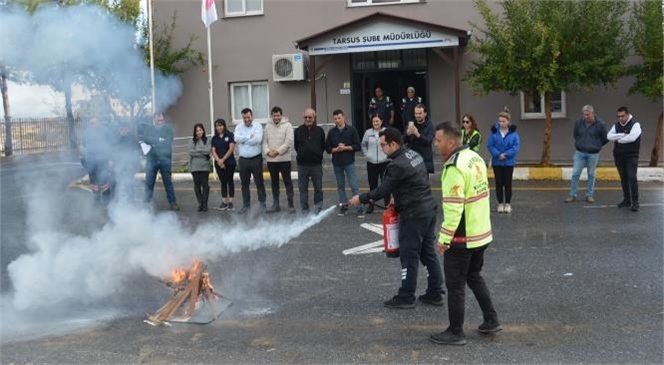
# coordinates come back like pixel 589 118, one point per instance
pixel 391 231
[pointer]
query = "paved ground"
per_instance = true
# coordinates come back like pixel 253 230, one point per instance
pixel 573 283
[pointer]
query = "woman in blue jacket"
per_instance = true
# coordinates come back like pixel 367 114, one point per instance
pixel 503 145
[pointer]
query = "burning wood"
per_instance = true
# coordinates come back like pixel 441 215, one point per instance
pixel 192 292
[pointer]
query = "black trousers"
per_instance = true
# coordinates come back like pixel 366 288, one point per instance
pixel 627 168
pixel 283 169
pixel 463 266
pixel 201 181
pixel 417 243
pixel 376 171
pixel 252 167
pixel 313 173
pixel 226 179
pixel 503 177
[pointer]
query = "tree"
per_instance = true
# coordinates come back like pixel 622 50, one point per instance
pixel 647 40
pixel 545 46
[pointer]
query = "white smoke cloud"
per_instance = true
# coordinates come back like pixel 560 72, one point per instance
pixel 67 269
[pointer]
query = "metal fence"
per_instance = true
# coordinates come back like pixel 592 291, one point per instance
pixel 31 135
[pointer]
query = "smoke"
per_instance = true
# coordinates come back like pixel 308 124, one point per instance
pixel 83 44
pixel 69 269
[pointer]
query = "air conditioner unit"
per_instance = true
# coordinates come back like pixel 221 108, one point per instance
pixel 288 67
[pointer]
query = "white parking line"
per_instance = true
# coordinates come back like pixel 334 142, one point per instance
pixel 372 247
pixel 615 207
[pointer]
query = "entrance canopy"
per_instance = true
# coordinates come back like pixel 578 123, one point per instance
pixel 381 32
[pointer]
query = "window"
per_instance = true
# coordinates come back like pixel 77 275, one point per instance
pixel 381 2
pixel 532 105
pixel 243 7
pixel 253 95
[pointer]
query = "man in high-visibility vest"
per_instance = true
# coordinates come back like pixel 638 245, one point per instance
pixel 465 232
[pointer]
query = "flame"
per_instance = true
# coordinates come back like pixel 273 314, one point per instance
pixel 178 276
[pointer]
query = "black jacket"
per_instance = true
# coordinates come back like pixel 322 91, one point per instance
pixel 348 136
pixel 406 178
pixel 423 144
pixel 309 144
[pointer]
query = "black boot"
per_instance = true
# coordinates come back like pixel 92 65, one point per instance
pixel 199 197
pixel 370 209
pixel 206 195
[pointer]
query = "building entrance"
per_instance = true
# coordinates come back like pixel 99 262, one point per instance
pixel 394 72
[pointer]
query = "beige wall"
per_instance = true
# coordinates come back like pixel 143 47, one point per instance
pixel 243 46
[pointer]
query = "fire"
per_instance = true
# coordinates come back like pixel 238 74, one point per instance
pixel 178 276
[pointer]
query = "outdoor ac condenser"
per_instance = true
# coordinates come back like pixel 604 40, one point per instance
pixel 288 67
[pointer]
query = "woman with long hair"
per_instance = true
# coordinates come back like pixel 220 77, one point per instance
pixel 503 145
pixel 376 159
pixel 470 133
pixel 223 149
pixel 199 165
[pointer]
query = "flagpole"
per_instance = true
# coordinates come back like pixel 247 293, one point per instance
pixel 151 43
pixel 210 85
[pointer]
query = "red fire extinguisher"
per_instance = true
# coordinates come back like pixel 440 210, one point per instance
pixel 391 231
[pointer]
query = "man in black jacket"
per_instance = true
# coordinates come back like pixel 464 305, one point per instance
pixel 310 146
pixel 406 178
pixel 342 142
pixel 419 136
pixel 627 136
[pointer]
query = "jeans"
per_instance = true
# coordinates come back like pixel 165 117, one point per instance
pixel 417 243
pixel 503 176
pixel 164 167
pixel 627 168
pixel 463 266
pixel 341 172
pixel 589 161
pixel 283 169
pixel 248 167
pixel 314 173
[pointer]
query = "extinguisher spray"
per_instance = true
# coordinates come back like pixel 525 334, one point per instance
pixel 391 231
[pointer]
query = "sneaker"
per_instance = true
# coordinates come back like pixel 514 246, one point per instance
pixel 223 206
pixel 435 300
pixel 635 206
pixel 448 338
pixel 274 209
pixel 624 204
pixel 318 208
pixel 175 206
pixel 342 211
pixel 360 214
pixel 590 199
pixel 230 206
pixel 291 210
pixel 501 208
pixel 489 327
pixel 570 199
pixel 397 303
pixel 508 208
pixel 244 210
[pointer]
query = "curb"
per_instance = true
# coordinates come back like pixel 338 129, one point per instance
pixel 651 174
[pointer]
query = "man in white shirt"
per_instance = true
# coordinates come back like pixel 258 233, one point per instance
pixel 627 136
pixel 249 138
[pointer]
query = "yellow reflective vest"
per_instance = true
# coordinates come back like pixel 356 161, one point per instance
pixel 465 189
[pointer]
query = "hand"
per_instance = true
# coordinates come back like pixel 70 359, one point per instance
pixel 354 200
pixel 442 248
pixel 274 153
pixel 502 156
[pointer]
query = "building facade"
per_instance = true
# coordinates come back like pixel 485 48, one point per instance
pixel 331 54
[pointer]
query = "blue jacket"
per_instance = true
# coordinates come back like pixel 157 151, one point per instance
pixel 509 145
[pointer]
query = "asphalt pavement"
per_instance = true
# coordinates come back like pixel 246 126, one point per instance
pixel 572 283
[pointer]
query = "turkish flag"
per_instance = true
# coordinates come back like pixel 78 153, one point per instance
pixel 208 12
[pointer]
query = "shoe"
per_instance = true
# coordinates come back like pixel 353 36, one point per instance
pixel 501 208
pixel 263 208
pixel 490 326
pixel 175 206
pixel 570 199
pixel 448 338
pixel 396 303
pixel 291 210
pixel 230 206
pixel 223 206
pixel 304 211
pixel 200 208
pixel 435 300
pixel 590 199
pixel 624 204
pixel 318 208
pixel 370 209
pixel 360 214
pixel 635 206
pixel 342 211
pixel 508 208
pixel 274 209
pixel 244 210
